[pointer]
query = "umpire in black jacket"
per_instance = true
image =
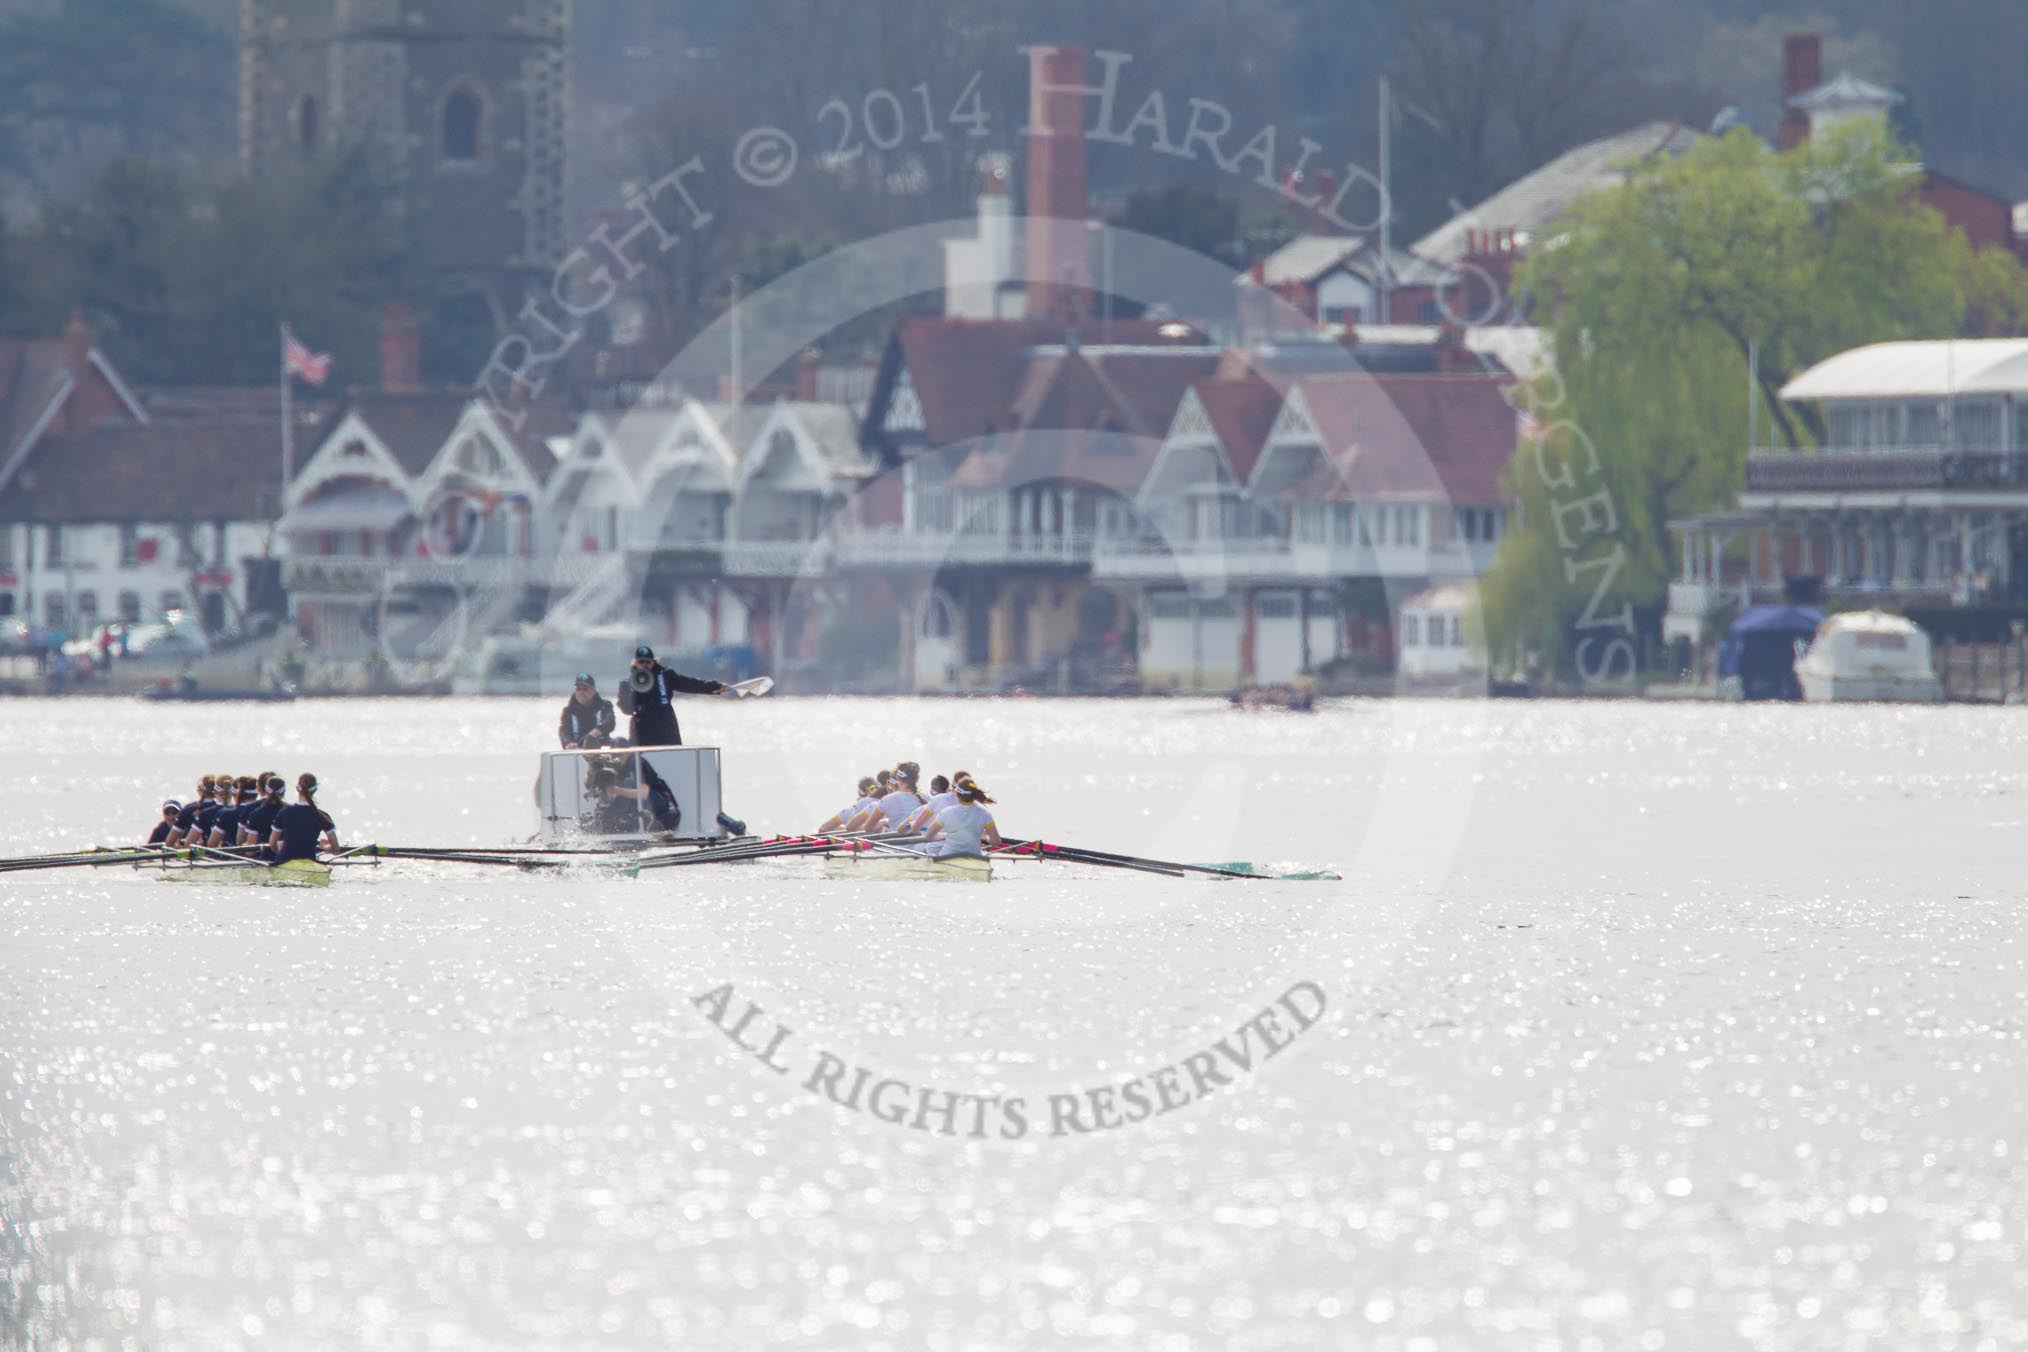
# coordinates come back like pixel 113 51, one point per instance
pixel 645 695
pixel 587 716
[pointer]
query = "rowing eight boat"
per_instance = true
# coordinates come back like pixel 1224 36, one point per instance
pixel 899 867
pixel 295 873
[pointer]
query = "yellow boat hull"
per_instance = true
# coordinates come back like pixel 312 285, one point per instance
pixel 295 873
pixel 871 866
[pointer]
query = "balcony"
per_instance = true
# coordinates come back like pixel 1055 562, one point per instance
pixel 1903 469
pixel 343 578
pixel 1278 559
pixel 896 548
pixel 777 558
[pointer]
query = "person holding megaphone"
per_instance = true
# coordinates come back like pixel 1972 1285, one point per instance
pixel 647 698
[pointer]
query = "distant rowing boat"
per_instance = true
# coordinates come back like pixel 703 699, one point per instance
pixel 172 695
pixel 295 873
pixel 865 867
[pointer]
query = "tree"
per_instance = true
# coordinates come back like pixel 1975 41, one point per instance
pixel 1500 87
pixel 1653 293
pixel 101 79
pixel 188 283
pixel 12 301
pixel 1198 218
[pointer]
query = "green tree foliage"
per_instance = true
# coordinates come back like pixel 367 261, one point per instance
pixel 106 78
pixel 13 283
pixel 1198 218
pixel 189 284
pixel 1652 293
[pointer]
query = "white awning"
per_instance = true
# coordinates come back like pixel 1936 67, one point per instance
pixel 374 509
pixel 1933 369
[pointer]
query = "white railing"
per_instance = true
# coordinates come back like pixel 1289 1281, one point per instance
pixel 1248 558
pixel 341 576
pixel 1697 599
pixel 928 548
pixel 777 558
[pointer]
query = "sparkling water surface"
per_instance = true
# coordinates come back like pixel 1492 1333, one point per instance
pixel 1645 1027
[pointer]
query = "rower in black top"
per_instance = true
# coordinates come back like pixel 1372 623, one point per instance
pixel 302 826
pixel 207 813
pixel 260 818
pixel 646 695
pixel 239 800
pixel 186 820
pixel 171 811
pixel 587 716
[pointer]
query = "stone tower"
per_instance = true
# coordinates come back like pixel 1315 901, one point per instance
pixel 465 100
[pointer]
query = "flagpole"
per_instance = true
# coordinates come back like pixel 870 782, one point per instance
pixel 288 430
pixel 1386 208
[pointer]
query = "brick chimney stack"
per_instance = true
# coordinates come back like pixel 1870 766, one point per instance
pixel 1059 262
pixel 1802 71
pixel 90 400
pixel 400 348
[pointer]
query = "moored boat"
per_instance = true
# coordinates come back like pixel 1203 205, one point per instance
pixel 866 866
pixel 1869 656
pixel 295 873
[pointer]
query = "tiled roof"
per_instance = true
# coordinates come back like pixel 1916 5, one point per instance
pixel 1847 91
pixel 966 372
pixel 1094 415
pixel 1307 257
pixel 1241 412
pixel 1445 437
pixel 1534 201
pixel 835 429
pixel 191 468
pixel 32 374
pixel 413 425
pixel 637 432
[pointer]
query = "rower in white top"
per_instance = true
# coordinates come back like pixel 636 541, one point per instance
pixel 843 818
pixel 940 798
pixel 901 801
pixel 966 829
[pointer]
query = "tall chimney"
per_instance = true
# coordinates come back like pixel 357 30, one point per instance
pixel 89 400
pixel 1802 71
pixel 400 348
pixel 1059 249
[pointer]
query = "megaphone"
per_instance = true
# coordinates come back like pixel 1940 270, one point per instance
pixel 643 680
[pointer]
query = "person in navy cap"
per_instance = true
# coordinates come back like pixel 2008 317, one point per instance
pixel 587 716
pixel 646 696
pixel 170 811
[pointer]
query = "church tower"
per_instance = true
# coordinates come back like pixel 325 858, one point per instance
pixel 465 100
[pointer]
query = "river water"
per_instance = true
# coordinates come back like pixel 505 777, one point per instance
pixel 1628 1027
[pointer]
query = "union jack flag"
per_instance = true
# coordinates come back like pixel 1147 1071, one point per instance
pixel 299 360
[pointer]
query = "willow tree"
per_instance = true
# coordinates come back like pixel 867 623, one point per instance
pixel 1653 292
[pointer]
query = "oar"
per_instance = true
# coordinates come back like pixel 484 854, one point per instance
pixel 394 851
pixel 101 860
pixel 1062 855
pixel 759 685
pixel 1213 870
pixel 779 848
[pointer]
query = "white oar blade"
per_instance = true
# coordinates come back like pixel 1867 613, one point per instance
pixel 759 685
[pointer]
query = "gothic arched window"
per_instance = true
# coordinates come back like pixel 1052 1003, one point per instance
pixel 462 115
pixel 306 123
